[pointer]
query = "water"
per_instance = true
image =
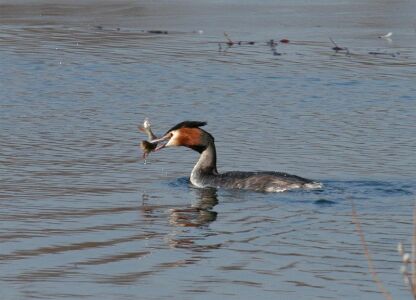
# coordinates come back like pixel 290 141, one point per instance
pixel 83 218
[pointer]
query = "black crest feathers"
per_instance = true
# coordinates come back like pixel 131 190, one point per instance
pixel 188 124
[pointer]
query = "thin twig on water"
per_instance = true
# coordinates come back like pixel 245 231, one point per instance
pixel 367 253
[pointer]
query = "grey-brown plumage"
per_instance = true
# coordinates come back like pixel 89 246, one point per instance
pixel 205 174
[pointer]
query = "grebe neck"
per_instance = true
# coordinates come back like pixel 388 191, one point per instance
pixel 206 166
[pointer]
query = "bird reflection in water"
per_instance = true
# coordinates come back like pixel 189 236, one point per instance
pixel 198 214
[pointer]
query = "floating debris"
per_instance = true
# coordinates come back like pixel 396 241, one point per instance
pixel 384 53
pixel 223 46
pixel 229 41
pixel 158 31
pixel 337 48
pixel 386 36
pixel 273 46
pixel 271 43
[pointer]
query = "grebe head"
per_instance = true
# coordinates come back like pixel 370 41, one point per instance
pixel 187 134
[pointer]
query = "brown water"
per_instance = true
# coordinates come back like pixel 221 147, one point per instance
pixel 83 218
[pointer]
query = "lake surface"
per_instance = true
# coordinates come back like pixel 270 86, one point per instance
pixel 82 216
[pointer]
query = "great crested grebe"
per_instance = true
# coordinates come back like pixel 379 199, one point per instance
pixel 205 174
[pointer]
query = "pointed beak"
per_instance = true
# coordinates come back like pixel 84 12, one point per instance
pixel 163 140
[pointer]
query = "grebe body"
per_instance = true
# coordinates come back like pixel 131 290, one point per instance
pixel 205 174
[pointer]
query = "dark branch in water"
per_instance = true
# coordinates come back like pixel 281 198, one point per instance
pixel 158 31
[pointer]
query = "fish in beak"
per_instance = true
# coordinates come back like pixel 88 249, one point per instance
pixel 161 142
pixel 186 134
